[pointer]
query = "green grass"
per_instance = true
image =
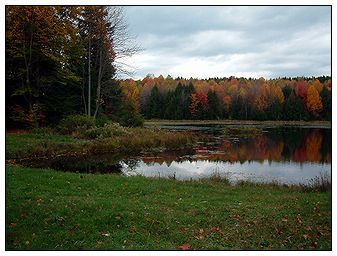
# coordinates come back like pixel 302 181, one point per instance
pixel 53 210
pixel 32 144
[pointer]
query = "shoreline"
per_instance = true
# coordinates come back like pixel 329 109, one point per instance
pixel 314 124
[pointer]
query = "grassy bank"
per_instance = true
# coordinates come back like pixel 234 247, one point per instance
pixel 318 124
pixel 47 143
pixel 46 209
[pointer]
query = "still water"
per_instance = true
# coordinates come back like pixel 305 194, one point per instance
pixel 289 155
pixel 284 154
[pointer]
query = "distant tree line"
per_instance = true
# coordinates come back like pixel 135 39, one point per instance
pixel 63 60
pixel 231 98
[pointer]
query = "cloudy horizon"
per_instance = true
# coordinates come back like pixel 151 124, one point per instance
pixel 223 41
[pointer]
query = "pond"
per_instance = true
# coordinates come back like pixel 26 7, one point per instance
pixel 289 155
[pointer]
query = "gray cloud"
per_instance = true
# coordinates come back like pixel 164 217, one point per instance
pixel 224 40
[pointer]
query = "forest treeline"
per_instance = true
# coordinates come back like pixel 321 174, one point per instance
pixel 63 60
pixel 231 98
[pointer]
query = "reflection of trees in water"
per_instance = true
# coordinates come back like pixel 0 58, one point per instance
pixel 295 144
pixel 299 145
pixel 169 156
pixel 131 163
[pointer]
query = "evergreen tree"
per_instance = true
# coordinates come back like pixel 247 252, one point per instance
pixel 294 109
pixel 155 108
pixel 274 111
pixel 327 104
pixel 214 106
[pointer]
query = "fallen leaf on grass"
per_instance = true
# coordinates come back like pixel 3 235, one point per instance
pixel 133 229
pixel 184 247
pixel 314 244
pixel 307 228
pixel 285 218
pixel 105 233
pixel 157 222
pixel 217 230
pixel 199 237
pixel 319 234
pixel 279 231
pixel 16 242
pixel 39 201
pixel 12 225
pixel 181 229
pixel 324 231
pixel 237 217
pixel 299 220
pixel 70 232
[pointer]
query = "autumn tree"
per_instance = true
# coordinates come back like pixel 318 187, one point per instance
pixel 314 101
pixel 39 42
pixel 194 104
pixel 301 89
pixel 227 103
pixel 318 85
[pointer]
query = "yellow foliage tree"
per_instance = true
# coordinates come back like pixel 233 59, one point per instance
pixel 314 101
pixel 318 85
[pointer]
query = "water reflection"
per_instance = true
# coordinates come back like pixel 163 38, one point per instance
pixel 280 145
pixel 287 155
pixel 283 172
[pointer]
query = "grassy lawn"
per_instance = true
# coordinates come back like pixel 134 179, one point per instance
pixel 53 210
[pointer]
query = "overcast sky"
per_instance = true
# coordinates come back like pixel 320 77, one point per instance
pixel 218 41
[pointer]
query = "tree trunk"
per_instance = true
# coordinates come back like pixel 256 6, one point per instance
pixel 28 67
pixel 83 96
pixel 99 82
pixel 89 74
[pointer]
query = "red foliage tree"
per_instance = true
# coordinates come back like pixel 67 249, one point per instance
pixel 301 89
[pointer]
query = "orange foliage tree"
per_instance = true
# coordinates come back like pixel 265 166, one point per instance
pixel 314 101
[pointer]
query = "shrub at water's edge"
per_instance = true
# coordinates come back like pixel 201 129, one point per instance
pixel 109 138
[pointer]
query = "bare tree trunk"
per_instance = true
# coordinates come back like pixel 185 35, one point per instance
pixel 28 67
pixel 99 82
pixel 89 74
pixel 83 96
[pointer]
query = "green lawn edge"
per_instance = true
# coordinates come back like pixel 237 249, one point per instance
pixel 51 210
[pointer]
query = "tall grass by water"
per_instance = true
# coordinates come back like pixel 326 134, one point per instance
pixel 110 138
